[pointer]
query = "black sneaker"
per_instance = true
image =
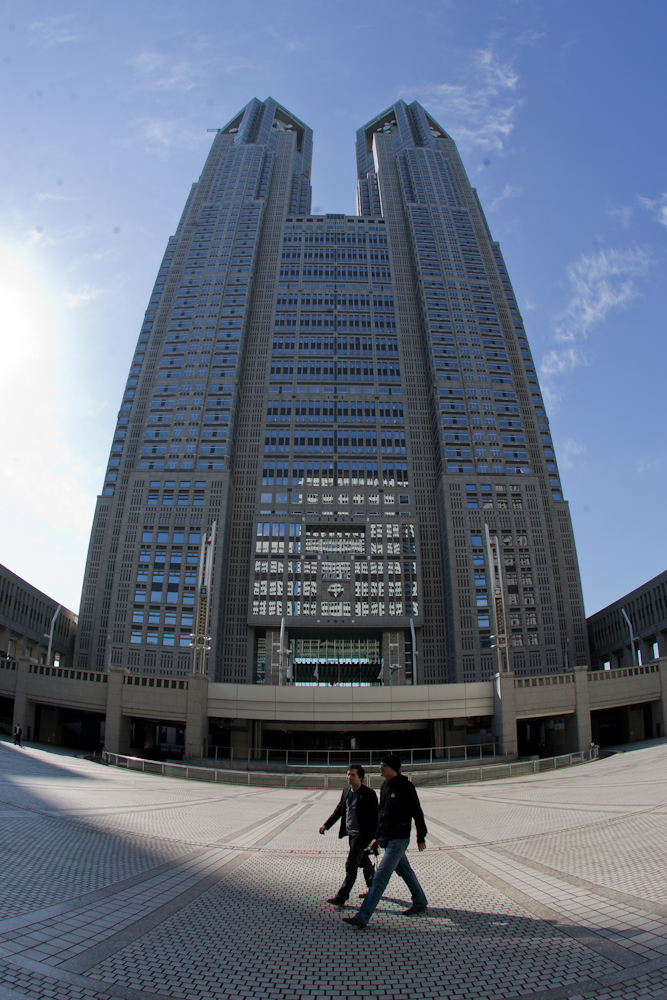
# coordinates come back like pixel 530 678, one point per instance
pixel 337 901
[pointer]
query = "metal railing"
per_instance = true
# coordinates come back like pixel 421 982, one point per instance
pixel 451 776
pixel 343 758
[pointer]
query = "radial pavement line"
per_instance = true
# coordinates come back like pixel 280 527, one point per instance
pixel 57 909
pixel 636 902
pixel 615 953
pixel 116 942
pixel 253 826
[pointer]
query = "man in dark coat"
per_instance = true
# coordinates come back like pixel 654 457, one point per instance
pixel 399 805
pixel 358 812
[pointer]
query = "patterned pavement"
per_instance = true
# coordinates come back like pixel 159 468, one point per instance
pixel 129 885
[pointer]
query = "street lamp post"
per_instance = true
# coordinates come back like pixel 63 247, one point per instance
pixel 49 635
pixel 632 637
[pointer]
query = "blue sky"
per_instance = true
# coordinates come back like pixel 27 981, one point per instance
pixel 558 109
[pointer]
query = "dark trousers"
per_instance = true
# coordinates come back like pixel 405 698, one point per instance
pixel 356 859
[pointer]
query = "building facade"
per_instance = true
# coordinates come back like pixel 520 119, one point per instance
pixel 609 633
pixel 353 402
pixel 26 615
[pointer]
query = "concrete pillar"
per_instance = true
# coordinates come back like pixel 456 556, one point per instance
pixel 660 710
pixel 196 719
pixel 504 712
pixel 24 710
pixel 257 736
pixel 584 733
pixel 117 727
pixel 438 737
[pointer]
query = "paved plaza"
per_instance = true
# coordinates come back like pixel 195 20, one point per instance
pixel 132 885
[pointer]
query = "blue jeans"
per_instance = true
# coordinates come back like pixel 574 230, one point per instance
pixel 393 860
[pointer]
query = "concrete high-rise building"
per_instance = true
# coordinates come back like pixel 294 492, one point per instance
pixel 352 400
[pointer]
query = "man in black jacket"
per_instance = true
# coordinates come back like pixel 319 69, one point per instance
pixel 399 805
pixel 358 813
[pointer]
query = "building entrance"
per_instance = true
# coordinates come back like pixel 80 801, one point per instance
pixel 340 658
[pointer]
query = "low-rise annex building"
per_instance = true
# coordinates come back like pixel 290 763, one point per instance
pixel 165 716
pixel 33 626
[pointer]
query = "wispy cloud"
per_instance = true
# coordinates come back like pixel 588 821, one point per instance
pixel 161 135
pixel 657 206
pixel 163 74
pixel 599 283
pixel 649 464
pixel 569 451
pixel 55 30
pixel 622 215
pixel 480 111
pixel 85 295
pixel 509 192
pixel 530 37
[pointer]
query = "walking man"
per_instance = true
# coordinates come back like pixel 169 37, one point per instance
pixel 18 733
pixel 399 805
pixel 358 813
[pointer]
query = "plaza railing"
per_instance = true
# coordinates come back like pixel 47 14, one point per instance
pixel 264 779
pixel 227 756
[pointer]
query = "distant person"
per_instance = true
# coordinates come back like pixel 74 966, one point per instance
pixel 18 733
pixel 358 814
pixel 399 805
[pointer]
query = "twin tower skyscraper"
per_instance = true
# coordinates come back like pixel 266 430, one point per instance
pixel 352 400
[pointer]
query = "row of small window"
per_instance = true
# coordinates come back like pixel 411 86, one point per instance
pixel 192 432
pixel 178 537
pixel 168 501
pixel 482 452
pixel 158 595
pixel 152 638
pixel 335 474
pixel 451 420
pixel 335 609
pixel 309 588
pixel 173 577
pixel 361 346
pixel 507 540
pixel 486 500
pixel 204 448
pixel 330 299
pixel 280 411
pixel 464 437
pixel 271 539
pixel 156 616
pixel 175 556
pixel 344 370
pixel 350 239
pixel 314 499
pixel 451 406
pixel 336 570
pixel 354 442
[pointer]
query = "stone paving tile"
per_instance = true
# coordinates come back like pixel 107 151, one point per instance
pixel 650 987
pixel 472 936
pixel 501 927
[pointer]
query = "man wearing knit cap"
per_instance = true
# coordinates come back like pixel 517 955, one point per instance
pixel 399 805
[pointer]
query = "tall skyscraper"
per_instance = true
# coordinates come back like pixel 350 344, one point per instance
pixel 353 401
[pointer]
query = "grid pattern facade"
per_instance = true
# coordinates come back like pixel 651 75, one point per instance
pixel 609 632
pixel 351 399
pixel 25 623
